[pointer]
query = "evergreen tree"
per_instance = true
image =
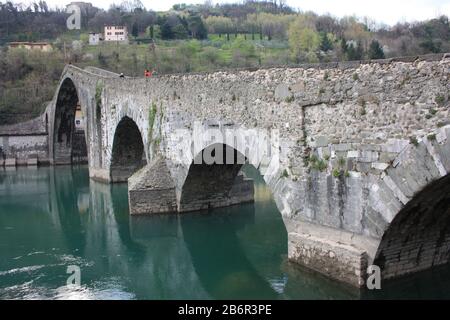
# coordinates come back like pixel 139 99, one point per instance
pixel 344 46
pixel 325 43
pixel 355 53
pixel 152 31
pixel 359 51
pixel 166 31
pixel 134 30
pixel 375 50
pixel 196 27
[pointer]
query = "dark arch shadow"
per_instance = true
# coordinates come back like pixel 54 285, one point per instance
pixel 71 190
pixel 213 180
pixel 128 154
pixel 69 140
pixel 418 238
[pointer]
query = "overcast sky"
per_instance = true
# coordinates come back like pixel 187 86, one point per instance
pixel 385 11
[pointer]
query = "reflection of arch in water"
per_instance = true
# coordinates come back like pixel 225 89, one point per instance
pixel 119 205
pixel 167 270
pixel 66 187
pixel 217 255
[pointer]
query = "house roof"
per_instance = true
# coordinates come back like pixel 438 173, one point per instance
pixel 17 43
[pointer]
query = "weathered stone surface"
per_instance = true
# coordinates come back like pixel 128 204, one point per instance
pixel 337 254
pixel 32 162
pixel 282 92
pixel 10 162
pixel 151 190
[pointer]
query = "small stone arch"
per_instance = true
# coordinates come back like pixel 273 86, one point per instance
pixel 128 151
pixel 256 146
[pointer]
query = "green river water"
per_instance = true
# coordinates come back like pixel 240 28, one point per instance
pixel 52 218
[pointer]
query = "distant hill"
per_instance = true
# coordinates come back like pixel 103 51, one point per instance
pixel 189 38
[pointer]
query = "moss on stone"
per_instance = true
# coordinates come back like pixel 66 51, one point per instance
pixel 151 120
pixel 98 97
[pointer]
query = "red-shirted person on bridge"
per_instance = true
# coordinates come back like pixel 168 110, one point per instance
pixel 147 73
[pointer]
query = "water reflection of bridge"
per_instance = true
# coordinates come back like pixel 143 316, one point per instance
pixel 219 255
pixel 163 255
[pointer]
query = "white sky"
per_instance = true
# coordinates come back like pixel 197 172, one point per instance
pixel 385 11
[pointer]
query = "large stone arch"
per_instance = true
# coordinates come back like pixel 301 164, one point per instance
pixel 171 183
pixel 185 148
pixel 128 150
pixel 68 141
pixel 416 207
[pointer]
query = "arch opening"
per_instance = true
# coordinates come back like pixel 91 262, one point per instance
pixel 215 180
pixel 418 238
pixel 69 140
pixel 128 154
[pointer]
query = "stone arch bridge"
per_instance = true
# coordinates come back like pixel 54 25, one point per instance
pixel 357 155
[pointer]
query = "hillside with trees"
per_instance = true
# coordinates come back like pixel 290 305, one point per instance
pixel 190 38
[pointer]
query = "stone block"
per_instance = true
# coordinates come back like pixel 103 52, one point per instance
pixel 353 154
pixel 321 141
pixel 282 92
pixel 368 156
pixel 151 190
pixel 337 254
pixel 363 167
pixel 394 145
pixel 380 166
pixel 32 161
pixel 10 162
pixel 341 147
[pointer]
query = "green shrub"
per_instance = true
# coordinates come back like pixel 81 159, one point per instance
pixel 319 165
pixel 439 99
pixel 414 141
pixel 336 173
pixel 289 99
pixel 151 120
